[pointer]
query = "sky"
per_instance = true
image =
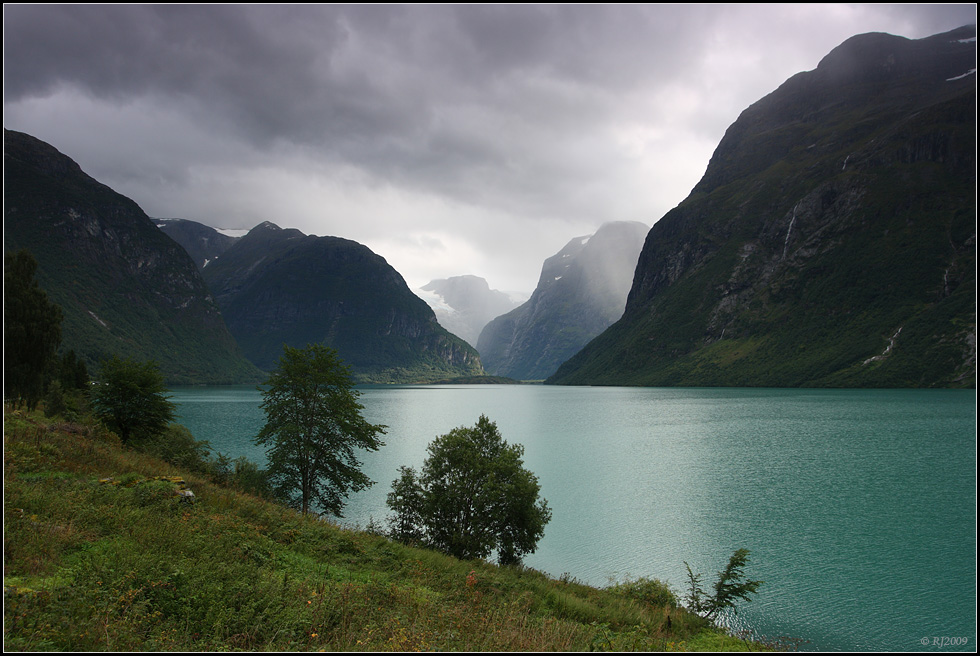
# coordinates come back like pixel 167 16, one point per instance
pixel 450 139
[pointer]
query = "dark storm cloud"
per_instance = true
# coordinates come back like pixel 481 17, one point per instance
pixel 400 90
pixel 473 131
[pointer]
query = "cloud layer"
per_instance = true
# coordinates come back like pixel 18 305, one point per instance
pixel 449 139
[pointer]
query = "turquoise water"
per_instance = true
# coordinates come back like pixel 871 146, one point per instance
pixel 858 506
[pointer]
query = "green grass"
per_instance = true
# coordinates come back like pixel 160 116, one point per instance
pixel 92 564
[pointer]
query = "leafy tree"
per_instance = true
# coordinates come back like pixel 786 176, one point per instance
pixel 72 372
pixel 472 497
pixel 31 330
pixel 177 445
pixel 130 399
pixel 731 586
pixel 313 429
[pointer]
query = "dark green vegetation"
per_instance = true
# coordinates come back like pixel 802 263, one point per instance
pixel 830 243
pixel 313 429
pixel 31 331
pixel 102 554
pixel 279 287
pixel 123 286
pixel 581 291
pixel 477 380
pixel 730 587
pixel 129 398
pixel 472 497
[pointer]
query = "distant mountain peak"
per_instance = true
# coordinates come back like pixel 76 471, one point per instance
pixel 581 291
pixel 464 304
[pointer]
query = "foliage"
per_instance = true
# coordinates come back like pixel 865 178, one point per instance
pixel 72 372
pixel 94 567
pixel 730 587
pixel 313 429
pixel 130 399
pixel 650 591
pixel 177 445
pixel 31 330
pixel 472 497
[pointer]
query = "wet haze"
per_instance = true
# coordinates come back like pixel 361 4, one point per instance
pixel 450 139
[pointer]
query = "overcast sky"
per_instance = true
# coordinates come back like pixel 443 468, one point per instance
pixel 468 139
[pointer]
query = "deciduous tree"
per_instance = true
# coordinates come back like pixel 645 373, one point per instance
pixel 472 497
pixel 130 398
pixel 314 429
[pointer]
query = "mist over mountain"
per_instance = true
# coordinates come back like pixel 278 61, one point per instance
pixel 830 243
pixel 465 304
pixel 279 286
pixel 125 288
pixel 581 291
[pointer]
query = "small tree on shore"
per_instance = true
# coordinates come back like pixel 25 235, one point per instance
pixel 472 497
pixel 730 587
pixel 313 429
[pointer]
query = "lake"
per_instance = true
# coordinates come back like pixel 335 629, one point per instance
pixel 858 506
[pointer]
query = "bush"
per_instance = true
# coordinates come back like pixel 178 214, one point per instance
pixel 177 446
pixel 472 497
pixel 650 591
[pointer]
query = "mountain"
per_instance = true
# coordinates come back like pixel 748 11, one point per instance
pixel 203 243
pixel 830 243
pixel 581 291
pixel 125 288
pixel 278 286
pixel 465 304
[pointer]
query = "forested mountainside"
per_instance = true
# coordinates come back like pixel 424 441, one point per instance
pixel 830 243
pixel 278 286
pixel 125 288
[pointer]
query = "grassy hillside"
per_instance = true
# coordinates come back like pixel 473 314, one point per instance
pixel 100 553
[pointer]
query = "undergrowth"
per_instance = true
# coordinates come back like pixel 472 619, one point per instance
pixel 101 554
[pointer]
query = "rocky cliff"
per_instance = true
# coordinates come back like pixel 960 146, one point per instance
pixel 125 288
pixel 581 291
pixel 831 241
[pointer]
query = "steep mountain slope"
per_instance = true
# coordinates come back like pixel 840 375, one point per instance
pixel 278 286
pixel 581 291
pixel 831 241
pixel 203 243
pixel 465 304
pixel 125 287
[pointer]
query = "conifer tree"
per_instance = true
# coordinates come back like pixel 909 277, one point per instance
pixel 32 331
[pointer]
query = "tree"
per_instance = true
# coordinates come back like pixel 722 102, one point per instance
pixel 473 497
pixel 313 429
pixel 130 399
pixel 730 586
pixel 31 330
